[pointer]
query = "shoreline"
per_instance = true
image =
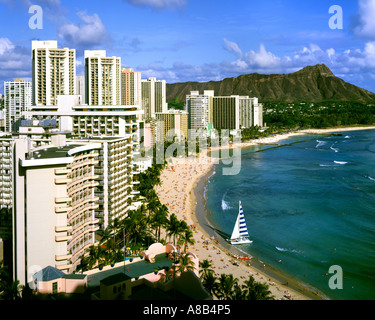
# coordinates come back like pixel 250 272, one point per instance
pixel 187 179
pixel 274 275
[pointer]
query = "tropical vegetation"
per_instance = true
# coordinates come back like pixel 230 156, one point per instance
pixel 226 287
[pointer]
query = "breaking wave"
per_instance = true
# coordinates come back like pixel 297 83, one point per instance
pixel 288 250
pixel 320 143
pixel 340 162
pixel 334 149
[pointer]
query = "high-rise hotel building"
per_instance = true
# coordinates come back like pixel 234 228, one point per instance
pixel 198 108
pixel 153 97
pixel 18 96
pixel 54 72
pixel 173 123
pixel 130 87
pixel 236 112
pixel 63 193
pixel 207 111
pixel 103 78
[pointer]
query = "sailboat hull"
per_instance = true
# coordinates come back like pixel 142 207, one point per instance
pixel 240 241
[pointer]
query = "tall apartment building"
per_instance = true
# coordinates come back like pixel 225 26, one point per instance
pixel 103 78
pixel 18 96
pixel 130 87
pixel 68 191
pixel 207 111
pixel 198 107
pixel 236 112
pixel 153 97
pixel 173 123
pixel 257 113
pixel 54 72
pixel 225 112
pixel 81 89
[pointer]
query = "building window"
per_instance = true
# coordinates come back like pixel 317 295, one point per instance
pixel 54 288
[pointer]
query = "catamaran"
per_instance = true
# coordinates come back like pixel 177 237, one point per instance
pixel 240 235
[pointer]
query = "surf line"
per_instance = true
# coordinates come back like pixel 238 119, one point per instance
pixel 290 144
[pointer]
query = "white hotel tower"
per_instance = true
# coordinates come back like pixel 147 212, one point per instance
pixel 63 193
pixel 54 72
pixel 102 78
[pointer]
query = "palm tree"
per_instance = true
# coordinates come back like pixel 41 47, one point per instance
pixel 205 266
pixel 94 256
pixel 255 290
pixel 173 227
pixel 159 219
pixel 227 284
pixel 262 292
pixel 186 263
pixel 248 286
pixel 187 238
pixel 210 283
pixel 153 204
pixel 238 293
pixel 12 291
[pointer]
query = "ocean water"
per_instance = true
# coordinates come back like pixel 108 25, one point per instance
pixel 308 206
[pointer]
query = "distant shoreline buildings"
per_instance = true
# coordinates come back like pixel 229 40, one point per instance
pixel 207 111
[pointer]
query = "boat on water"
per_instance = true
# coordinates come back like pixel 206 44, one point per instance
pixel 240 235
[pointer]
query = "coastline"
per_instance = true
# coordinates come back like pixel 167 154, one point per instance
pixel 182 190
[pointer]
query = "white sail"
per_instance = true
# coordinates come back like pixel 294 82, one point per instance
pixel 240 234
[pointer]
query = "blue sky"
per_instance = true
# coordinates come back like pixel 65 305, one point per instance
pixel 191 40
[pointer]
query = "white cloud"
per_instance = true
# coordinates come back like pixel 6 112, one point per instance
pixel 232 47
pixel 87 34
pixel 5 45
pixel 159 4
pixel 331 52
pixel 366 23
pixel 262 58
pixel 15 61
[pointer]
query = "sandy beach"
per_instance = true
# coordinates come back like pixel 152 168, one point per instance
pixel 181 190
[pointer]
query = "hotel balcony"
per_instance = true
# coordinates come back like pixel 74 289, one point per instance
pixel 62 171
pixel 62 209
pixel 81 186
pixel 62 181
pixel 63 229
pixel 84 163
pixel 63 200
pixel 63 267
pixel 86 228
pixel 63 257
pixel 62 238
pixel 90 206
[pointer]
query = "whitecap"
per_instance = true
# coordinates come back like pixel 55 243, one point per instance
pixel 372 179
pixel 320 143
pixel 281 249
pixel 340 162
pixel 288 250
pixel 225 205
pixel 334 149
pixel 347 137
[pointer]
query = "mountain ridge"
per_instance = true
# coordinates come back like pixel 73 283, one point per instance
pixel 312 83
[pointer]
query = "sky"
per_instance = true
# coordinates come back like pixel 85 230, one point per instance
pixel 198 40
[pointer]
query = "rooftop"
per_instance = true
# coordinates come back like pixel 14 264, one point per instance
pixel 132 270
pixel 49 273
pixel 53 152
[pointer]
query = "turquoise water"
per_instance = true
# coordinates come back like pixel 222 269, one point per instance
pixel 308 206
